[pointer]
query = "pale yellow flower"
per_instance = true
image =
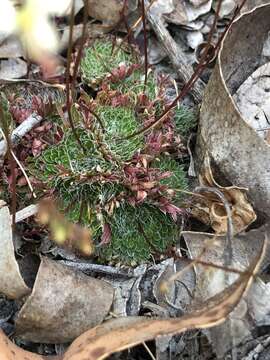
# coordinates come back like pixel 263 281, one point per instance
pixel 32 24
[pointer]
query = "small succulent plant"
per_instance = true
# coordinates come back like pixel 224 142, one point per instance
pixel 125 187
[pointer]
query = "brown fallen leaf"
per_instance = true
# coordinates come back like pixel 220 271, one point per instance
pixel 122 333
pixel 11 281
pixel 64 303
pixel 254 308
pixel 107 11
pixel 211 211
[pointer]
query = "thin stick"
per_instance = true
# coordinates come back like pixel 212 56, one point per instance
pixel 24 174
pixel 149 351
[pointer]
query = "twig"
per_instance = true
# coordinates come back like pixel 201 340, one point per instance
pixel 149 351
pixel 69 94
pixel 87 267
pixel 82 42
pixel 31 81
pixel 24 174
pixel 20 166
pixel 175 54
pixel 25 213
pixel 24 128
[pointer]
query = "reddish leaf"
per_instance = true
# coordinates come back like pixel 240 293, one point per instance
pixel 106 235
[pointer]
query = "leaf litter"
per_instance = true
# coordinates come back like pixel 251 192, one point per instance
pixel 134 287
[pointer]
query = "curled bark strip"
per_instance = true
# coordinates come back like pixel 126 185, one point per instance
pixel 235 148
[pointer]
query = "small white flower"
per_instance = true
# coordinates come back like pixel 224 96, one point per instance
pixel 31 23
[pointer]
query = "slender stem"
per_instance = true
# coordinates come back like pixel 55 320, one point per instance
pixel 82 42
pixel 12 163
pixel 68 87
pixel 134 26
pixel 24 174
pixel 145 44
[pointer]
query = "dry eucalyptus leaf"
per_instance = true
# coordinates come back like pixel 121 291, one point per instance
pixel 224 134
pixel 210 210
pixel 186 12
pixel 210 281
pixel 227 7
pixel 162 7
pixel 252 100
pixel 94 30
pixel 251 4
pixel 64 303
pixel 107 11
pixel 11 281
pixel 12 69
pixel 10 351
pixel 11 48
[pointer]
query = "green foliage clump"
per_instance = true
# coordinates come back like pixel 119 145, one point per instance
pixel 104 59
pixel 130 185
pixel 185 120
pixel 177 180
pixel 138 232
pixel 119 122
pixel 100 59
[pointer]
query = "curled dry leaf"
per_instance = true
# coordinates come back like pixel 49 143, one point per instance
pixel 64 303
pixel 210 210
pixel 10 351
pixel 11 281
pixel 240 154
pixel 118 334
